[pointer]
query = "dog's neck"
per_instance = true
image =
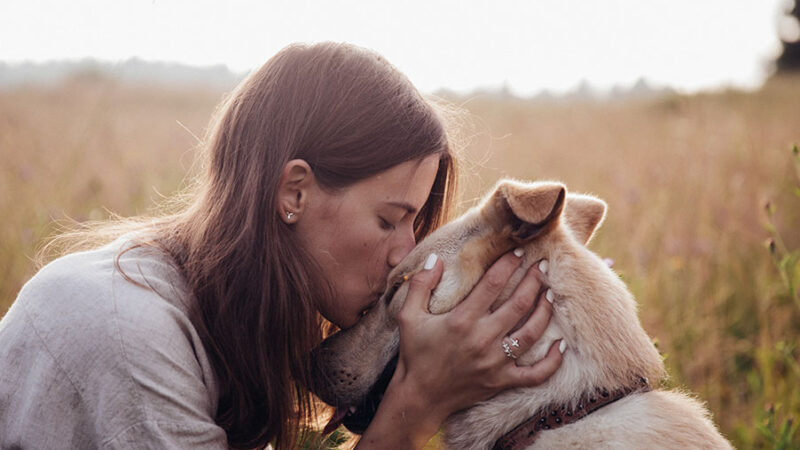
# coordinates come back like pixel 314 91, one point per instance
pixel 556 416
pixel 607 349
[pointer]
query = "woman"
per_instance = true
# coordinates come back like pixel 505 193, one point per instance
pixel 322 170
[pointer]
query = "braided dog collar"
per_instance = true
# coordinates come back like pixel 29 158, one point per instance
pixel 554 416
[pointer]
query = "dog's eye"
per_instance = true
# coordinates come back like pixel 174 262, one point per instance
pixel 393 290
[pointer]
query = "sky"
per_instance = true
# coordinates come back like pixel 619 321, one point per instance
pixel 462 45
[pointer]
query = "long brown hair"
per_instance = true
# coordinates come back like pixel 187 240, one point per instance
pixel 349 114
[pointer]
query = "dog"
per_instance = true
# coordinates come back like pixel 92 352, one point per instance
pixel 602 396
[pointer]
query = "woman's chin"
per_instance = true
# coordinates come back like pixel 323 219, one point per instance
pixel 344 320
pixel 345 324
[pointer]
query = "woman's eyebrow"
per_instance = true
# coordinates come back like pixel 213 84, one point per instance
pixel 410 209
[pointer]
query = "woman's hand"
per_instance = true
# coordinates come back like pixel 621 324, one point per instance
pixel 451 361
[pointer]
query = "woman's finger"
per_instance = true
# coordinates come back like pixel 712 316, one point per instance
pixel 422 283
pixel 519 305
pixel 484 294
pixel 533 328
pixel 539 372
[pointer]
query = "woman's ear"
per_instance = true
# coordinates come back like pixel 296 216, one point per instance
pixel 296 182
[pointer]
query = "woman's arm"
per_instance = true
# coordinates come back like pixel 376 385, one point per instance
pixel 451 361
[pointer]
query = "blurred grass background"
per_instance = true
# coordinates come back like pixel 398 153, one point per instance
pixel 687 180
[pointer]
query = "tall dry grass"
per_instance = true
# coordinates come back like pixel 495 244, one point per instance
pixel 686 179
pixel 85 148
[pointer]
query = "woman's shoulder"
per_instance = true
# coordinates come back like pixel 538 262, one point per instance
pixel 93 306
pixel 101 268
pixel 95 297
pixel 114 279
pixel 114 332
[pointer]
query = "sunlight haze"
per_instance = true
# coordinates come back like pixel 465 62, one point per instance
pixel 527 46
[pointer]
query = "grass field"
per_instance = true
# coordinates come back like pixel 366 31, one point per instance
pixel 687 180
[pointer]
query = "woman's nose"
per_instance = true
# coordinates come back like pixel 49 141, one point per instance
pixel 401 249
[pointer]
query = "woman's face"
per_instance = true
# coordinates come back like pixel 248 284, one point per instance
pixel 357 235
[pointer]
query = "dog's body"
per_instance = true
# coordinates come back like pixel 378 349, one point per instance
pixel 593 312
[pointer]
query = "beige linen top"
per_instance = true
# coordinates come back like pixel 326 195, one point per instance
pixel 90 360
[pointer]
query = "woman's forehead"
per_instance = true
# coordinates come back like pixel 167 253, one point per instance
pixel 405 185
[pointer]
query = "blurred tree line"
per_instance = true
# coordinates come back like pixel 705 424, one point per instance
pixel 789 60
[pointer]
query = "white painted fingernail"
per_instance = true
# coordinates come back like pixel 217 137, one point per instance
pixel 549 295
pixel 519 252
pixel 543 266
pixel 562 347
pixel 431 261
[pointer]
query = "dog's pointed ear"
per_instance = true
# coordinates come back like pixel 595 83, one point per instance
pixel 526 210
pixel 583 215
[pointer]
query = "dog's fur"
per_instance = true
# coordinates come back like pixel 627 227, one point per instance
pixel 593 312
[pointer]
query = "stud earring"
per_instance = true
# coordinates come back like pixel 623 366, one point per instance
pixel 289 215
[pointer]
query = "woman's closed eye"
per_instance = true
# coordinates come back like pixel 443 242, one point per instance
pixel 385 224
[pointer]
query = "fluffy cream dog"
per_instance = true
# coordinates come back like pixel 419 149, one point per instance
pixel 605 393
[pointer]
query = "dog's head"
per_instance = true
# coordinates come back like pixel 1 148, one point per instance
pixel 355 365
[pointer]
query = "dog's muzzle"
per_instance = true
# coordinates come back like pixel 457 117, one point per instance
pixel 358 421
pixel 357 417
